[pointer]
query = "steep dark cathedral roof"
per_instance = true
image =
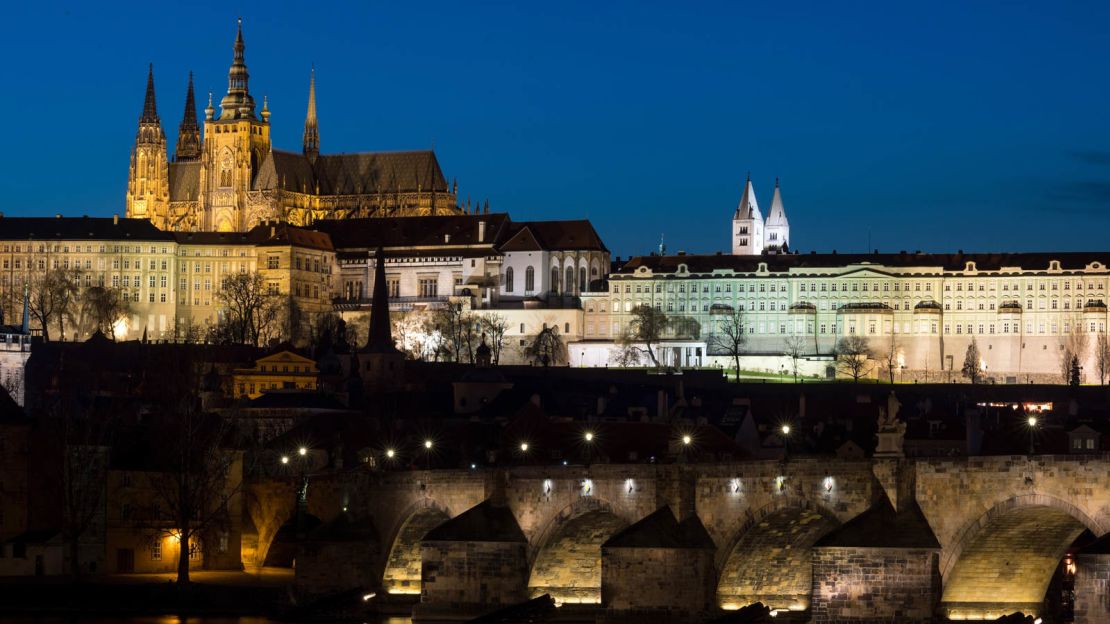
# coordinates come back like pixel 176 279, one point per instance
pixel 185 180
pixel 351 174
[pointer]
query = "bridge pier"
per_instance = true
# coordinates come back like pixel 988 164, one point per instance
pixel 1092 583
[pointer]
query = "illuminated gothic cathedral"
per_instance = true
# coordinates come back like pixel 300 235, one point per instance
pixel 232 178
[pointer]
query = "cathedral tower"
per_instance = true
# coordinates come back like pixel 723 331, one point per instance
pixel 188 133
pixel 777 228
pixel 311 128
pixel 235 144
pixel 148 184
pixel 747 224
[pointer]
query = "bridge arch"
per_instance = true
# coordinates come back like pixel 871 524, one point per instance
pixel 566 558
pixel 1003 561
pixel 401 574
pixel 770 558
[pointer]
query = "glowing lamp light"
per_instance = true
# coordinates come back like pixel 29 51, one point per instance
pixel 523 447
pixel 368 597
pixel 390 453
pixel 786 430
pixel 589 436
pixel 473 466
pixel 734 486
pixel 631 485
pixel 428 444
pixel 1032 421
pixel 686 440
pixel 302 451
pixel 780 483
pixel 119 329
pixel 828 484
pixel 564 462
pixel 547 487
pixel 285 459
pixel 587 487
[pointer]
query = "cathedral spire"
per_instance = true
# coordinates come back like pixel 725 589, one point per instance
pixel 311 128
pixel 150 108
pixel 188 133
pixel 238 103
pixel 381 338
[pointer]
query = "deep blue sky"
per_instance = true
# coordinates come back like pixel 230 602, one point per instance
pixel 933 125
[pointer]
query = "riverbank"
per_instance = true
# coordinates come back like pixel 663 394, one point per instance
pixel 265 593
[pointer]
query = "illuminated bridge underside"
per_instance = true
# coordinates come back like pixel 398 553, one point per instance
pixel 1007 567
pixel 569 565
pixel 772 562
pixel 402 570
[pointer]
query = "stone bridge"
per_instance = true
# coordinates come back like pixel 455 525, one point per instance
pixel 967 538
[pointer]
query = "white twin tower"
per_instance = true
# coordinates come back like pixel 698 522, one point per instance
pixel 751 235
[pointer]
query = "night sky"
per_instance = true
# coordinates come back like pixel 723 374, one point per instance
pixel 928 125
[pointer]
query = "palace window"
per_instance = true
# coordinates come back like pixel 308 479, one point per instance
pixel 530 281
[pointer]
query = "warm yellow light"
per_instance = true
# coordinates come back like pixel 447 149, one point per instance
pixel 524 447
pixel 428 444
pixel 302 451
pixel 786 429
pixel 389 453
pixel 368 597
pixel 687 440
pixel 119 329
pixel 1032 421
pixel 589 436
pixel 285 459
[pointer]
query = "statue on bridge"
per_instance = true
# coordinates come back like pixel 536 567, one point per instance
pixel 891 431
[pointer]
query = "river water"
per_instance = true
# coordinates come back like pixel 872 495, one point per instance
pixel 171 619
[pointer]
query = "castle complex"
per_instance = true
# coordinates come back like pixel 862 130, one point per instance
pixel 230 178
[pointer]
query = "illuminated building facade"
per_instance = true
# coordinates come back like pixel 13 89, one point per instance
pixel 917 311
pixel 169 281
pixel 230 178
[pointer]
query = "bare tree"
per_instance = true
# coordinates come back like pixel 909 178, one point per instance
pixel 251 309
pixel 892 355
pixel 1075 348
pixel 103 307
pixel 51 298
pixel 547 349
pixel 1102 357
pixel 730 337
pixel 202 474
pixel 642 334
pixel 853 356
pixel 495 326
pixel 84 457
pixel 460 330
pixel 972 368
pixel 794 348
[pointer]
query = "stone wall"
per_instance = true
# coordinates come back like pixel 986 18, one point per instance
pixel 569 566
pixel 676 581
pixel 1092 588
pixel 874 585
pixel 468 574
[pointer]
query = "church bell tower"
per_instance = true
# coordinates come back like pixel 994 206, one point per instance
pixel 235 144
pixel 148 179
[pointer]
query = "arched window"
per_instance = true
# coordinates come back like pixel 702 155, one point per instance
pixel 509 279
pixel 568 285
pixel 555 279
pixel 582 279
pixel 529 280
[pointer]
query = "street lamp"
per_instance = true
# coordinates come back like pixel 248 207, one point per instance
pixel 390 453
pixel 428 454
pixel 686 440
pixel 523 447
pixel 302 451
pixel 285 459
pixel 785 441
pixel 1032 422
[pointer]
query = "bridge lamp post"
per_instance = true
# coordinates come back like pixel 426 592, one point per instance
pixel 302 493
pixel 1032 422
pixel 589 438
pixel 428 445
pixel 785 441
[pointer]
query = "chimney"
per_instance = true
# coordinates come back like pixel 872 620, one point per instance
pixel 115 218
pixel 481 231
